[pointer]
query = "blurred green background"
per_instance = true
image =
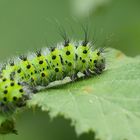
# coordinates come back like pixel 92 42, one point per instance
pixel 26 25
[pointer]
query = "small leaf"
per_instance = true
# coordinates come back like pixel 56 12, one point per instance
pixel 108 104
pixel 8 126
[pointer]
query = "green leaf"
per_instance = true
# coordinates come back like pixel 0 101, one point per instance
pixel 108 104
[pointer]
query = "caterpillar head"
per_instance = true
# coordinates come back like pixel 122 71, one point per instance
pixel 12 94
pixel 100 65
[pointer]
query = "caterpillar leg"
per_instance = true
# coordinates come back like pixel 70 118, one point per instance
pixel 33 89
pixel 88 73
pixel 99 69
pixel 74 77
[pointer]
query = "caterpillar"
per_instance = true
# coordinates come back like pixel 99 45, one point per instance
pixel 20 77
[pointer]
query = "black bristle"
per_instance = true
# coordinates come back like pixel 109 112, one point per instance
pixel 3 66
pixel 38 53
pixel 23 57
pixel 101 50
pixel 84 43
pixel 11 63
pixel 66 43
pixel 52 49
pixel 64 35
pixel 85 29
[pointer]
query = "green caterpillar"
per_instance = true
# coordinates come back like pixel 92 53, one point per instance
pixel 20 77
